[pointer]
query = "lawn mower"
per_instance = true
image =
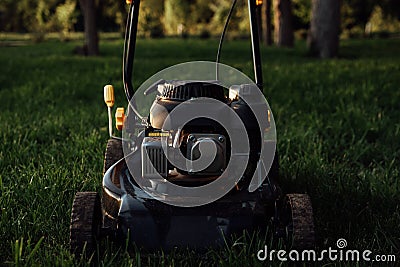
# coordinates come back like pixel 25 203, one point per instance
pixel 137 204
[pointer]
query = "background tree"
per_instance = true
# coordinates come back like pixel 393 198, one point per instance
pixel 111 15
pixel 283 23
pixel 325 28
pixel 356 14
pixel 301 10
pixel 381 24
pixel 176 16
pixel 38 17
pixel 10 19
pixel 150 19
pixel 88 8
pixel 200 18
pixel 197 17
pixel 63 19
pixel 266 15
pixel 239 24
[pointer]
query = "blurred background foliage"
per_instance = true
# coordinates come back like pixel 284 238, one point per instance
pixel 158 18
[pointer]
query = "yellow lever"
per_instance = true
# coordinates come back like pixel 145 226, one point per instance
pixel 119 118
pixel 109 95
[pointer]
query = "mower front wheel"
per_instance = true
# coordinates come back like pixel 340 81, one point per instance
pixel 85 223
pixel 113 153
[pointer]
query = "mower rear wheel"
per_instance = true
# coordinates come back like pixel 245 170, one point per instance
pixel 294 221
pixel 85 223
pixel 113 153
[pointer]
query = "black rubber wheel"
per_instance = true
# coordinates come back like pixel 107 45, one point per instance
pixel 85 223
pixel 294 221
pixel 113 153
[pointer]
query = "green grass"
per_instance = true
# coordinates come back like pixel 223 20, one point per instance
pixel 338 126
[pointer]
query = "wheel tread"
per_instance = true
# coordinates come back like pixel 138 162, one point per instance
pixel 113 153
pixel 302 221
pixel 85 222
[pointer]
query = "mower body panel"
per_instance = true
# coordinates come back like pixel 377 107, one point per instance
pixel 151 224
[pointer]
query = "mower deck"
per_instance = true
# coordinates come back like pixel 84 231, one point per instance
pixel 151 224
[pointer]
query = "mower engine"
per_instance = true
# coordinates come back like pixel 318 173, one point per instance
pixel 200 137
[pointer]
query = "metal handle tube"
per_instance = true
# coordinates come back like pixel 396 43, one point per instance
pixel 129 48
pixel 255 44
pixel 110 121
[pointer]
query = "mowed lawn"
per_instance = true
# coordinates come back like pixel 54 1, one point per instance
pixel 338 128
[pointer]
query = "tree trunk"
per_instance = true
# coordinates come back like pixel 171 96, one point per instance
pixel 323 39
pixel 91 36
pixel 283 23
pixel 267 22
